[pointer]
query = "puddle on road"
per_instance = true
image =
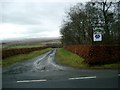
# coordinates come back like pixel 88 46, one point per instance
pixel 17 70
pixel 42 64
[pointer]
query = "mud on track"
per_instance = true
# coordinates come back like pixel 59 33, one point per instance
pixel 41 63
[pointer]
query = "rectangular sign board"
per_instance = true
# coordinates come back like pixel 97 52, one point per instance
pixel 97 37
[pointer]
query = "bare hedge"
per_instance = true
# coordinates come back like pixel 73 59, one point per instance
pixel 96 54
pixel 11 52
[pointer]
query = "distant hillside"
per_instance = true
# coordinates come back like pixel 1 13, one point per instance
pixel 30 43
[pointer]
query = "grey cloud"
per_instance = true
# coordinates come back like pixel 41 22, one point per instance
pixel 23 20
pixel 19 13
pixel 36 30
pixel 31 13
pixel 38 19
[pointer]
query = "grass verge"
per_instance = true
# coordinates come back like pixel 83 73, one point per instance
pixel 0 62
pixel 68 58
pixel 22 57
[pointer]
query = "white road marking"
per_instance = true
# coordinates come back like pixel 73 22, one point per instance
pixel 42 80
pixel 118 74
pixel 82 78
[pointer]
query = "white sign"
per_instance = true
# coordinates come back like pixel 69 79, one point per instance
pixel 97 37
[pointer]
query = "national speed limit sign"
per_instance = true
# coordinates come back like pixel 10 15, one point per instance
pixel 97 37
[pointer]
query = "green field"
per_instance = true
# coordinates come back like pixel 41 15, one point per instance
pixel 28 44
pixel 21 46
pixel 67 58
pixel 22 57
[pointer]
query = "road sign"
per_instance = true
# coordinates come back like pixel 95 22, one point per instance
pixel 98 30
pixel 97 37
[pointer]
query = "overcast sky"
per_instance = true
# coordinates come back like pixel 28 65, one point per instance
pixel 21 19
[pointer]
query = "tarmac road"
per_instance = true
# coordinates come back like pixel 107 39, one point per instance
pixel 43 72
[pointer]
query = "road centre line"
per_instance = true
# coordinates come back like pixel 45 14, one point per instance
pixel 42 80
pixel 82 78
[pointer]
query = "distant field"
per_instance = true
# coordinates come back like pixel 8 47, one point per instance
pixel 28 44
pixel 70 59
pixel 21 46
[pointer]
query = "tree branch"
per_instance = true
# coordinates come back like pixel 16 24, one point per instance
pixel 108 6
